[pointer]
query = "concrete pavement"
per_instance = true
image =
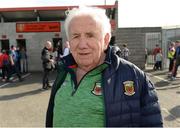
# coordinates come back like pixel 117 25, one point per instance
pixel 24 104
pixel 169 96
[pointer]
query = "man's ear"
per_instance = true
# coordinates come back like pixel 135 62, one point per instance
pixel 107 40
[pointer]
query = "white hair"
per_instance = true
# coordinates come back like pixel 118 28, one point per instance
pixel 98 14
pixel 48 44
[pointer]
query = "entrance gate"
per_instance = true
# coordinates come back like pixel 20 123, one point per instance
pixel 151 39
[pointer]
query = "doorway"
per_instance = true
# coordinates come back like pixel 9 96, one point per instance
pixel 57 43
pixel 21 43
pixel 5 44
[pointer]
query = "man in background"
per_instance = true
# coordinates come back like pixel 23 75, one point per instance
pixel 125 52
pixel 47 62
pixel 15 64
pixel 171 52
pixel 176 60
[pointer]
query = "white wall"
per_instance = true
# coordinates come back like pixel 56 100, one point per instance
pixel 34 42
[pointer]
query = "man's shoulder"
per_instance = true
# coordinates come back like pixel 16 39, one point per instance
pixel 44 50
pixel 127 64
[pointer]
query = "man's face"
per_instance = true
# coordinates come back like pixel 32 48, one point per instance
pixel 87 43
pixel 48 45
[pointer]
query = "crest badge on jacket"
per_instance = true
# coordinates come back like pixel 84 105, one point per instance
pixel 97 90
pixel 129 88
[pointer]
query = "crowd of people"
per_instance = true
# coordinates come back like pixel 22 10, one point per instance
pixel 13 61
pixel 173 56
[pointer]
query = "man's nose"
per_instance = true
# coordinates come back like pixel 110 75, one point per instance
pixel 83 43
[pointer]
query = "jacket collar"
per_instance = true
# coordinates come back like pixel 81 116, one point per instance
pixel 108 59
pixel 70 62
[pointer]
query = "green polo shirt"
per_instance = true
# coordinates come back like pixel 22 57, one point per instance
pixel 85 108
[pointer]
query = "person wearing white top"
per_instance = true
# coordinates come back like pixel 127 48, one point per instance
pixel 66 49
pixel 159 58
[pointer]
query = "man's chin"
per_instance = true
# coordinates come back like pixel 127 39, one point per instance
pixel 87 64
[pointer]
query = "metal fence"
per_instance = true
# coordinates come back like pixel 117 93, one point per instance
pixel 151 39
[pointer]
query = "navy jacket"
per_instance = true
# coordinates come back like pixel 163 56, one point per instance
pixel 130 98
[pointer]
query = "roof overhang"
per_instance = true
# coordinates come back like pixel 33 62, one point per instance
pixel 53 13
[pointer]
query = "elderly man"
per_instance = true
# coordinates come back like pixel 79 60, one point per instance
pixel 95 87
pixel 47 61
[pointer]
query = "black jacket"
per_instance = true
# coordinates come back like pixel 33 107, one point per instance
pixel 137 106
pixel 45 57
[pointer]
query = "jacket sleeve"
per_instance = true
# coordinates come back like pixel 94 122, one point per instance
pixel 45 56
pixel 150 108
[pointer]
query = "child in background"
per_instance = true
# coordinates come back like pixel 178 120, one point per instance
pixel 158 59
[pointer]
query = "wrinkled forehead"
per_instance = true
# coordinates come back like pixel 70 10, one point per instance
pixel 77 20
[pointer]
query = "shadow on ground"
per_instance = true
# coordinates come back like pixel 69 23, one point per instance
pixel 19 95
pixel 175 114
pixel 161 84
pixel 34 77
pixel 157 72
pixel 178 92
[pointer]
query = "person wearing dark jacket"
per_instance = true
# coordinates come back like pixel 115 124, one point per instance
pixel 176 61
pixel 94 86
pixel 47 62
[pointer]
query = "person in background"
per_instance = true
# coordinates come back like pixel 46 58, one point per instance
pixel 94 86
pixel 18 58
pixel 6 66
pixel 55 56
pixel 158 60
pixel 59 50
pixel 1 63
pixel 146 55
pixel 47 62
pixel 113 43
pixel 155 51
pixel 125 52
pixel 176 60
pixel 66 49
pixel 171 52
pixel 23 60
pixel 15 64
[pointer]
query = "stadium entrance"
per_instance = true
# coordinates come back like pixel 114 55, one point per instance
pixel 4 44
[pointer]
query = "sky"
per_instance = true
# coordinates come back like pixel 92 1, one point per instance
pixel 149 13
pixel 132 13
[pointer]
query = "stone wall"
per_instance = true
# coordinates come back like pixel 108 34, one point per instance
pixel 135 40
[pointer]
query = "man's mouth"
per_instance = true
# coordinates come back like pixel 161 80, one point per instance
pixel 83 54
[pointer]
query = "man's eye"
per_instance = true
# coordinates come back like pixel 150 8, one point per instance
pixel 75 36
pixel 90 35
